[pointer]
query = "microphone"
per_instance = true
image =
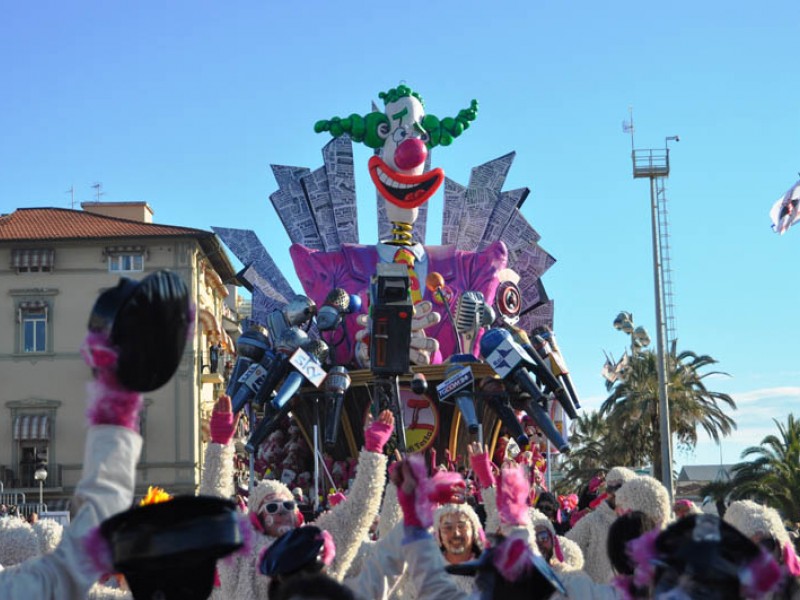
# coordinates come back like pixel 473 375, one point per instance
pixel 468 318
pixel 298 310
pixel 251 381
pixel 458 385
pixel 250 348
pixel 435 284
pixel 291 339
pixel 543 372
pixel 419 384
pixel 306 366
pixel 336 385
pixel 337 304
pixel 493 392
pixel 510 361
pixel 557 362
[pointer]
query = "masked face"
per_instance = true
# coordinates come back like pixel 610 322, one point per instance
pixel 544 540
pixel 278 513
pixel 456 535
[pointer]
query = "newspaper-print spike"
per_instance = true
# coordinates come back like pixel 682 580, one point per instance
pixel 261 307
pixel 246 246
pixel 492 175
pixel 537 317
pixel 292 206
pixel 478 206
pixel 530 260
pixel 338 157
pixel 518 233
pixel 501 214
pixel 254 281
pixel 315 186
pixel 454 197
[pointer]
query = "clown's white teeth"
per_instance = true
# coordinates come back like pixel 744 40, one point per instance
pixel 391 182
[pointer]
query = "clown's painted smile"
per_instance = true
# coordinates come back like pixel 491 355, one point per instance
pixel 404 191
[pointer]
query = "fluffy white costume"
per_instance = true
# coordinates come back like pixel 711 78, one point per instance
pixel 648 495
pixel 347 522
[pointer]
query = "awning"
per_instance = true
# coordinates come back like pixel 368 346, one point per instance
pixel 32 257
pixel 31 427
pixel 210 325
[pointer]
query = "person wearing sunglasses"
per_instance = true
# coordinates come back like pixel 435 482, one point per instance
pixel 272 510
pixel 591 532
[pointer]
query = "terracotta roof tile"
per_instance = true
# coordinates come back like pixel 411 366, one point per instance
pixel 66 224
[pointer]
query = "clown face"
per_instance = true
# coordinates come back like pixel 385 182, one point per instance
pixel 456 537
pixel 278 513
pixel 398 174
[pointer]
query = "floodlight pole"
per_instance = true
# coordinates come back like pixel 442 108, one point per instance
pixel 654 164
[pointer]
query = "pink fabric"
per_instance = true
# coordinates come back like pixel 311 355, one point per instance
pixel 222 426
pixel 109 402
pixel 328 548
pixel 557 549
pixel 569 502
pixel 353 266
pixel 336 499
pixel 376 436
pixel 512 497
pixel 512 558
pixel 642 551
pixel 761 576
pixel 482 467
pixel 98 551
pixel 790 559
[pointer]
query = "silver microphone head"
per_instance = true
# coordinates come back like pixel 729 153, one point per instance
pixel 291 340
pixel 299 310
pixel 468 311
pixel 338 380
pixel 317 348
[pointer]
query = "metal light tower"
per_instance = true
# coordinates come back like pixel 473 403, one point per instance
pixel 653 164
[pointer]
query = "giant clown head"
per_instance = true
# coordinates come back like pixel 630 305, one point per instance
pixel 404 134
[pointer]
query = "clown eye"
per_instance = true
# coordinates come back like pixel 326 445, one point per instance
pixel 399 135
pixel 383 130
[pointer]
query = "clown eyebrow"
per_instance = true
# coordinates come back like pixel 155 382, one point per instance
pixel 401 114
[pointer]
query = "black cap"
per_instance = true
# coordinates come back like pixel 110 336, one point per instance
pixel 148 322
pixel 171 548
pixel 297 550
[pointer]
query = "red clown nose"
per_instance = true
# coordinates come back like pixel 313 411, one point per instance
pixel 409 154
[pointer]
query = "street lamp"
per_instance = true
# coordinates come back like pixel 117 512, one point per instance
pixel 40 475
pixel 639 336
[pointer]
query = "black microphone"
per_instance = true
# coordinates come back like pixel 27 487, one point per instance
pixel 510 361
pixel 251 381
pixel 336 384
pixel 291 339
pixel 250 348
pixel 493 393
pixel 542 369
pixel 558 364
pixel 303 365
pixel 419 384
pixel 337 304
pixel 458 386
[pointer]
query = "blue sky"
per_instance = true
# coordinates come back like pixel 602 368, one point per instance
pixel 186 104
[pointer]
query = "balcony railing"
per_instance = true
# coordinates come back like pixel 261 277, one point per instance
pixel 14 480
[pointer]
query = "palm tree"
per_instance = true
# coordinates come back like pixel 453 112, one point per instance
pixel 772 476
pixel 589 453
pixel 632 408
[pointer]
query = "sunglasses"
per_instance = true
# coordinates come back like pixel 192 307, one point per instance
pixel 613 487
pixel 273 507
pixel 542 536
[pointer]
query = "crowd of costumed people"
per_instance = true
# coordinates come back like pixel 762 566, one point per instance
pixel 395 525
pixel 403 528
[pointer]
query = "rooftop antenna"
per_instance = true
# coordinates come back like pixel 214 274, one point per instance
pixel 98 191
pixel 627 126
pixel 71 192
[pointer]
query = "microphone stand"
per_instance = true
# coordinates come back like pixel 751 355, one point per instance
pixel 316 454
pixel 251 416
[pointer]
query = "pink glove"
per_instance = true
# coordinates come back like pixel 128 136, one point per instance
pixel 222 426
pixel 482 467
pixel 337 498
pixel 109 402
pixel 419 504
pixel 512 497
pixel 376 436
pixel 405 499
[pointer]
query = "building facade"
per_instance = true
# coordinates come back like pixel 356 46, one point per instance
pixel 53 265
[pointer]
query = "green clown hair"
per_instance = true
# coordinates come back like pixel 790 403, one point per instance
pixel 364 129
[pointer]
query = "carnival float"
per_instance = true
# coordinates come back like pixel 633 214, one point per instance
pixel 456 338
